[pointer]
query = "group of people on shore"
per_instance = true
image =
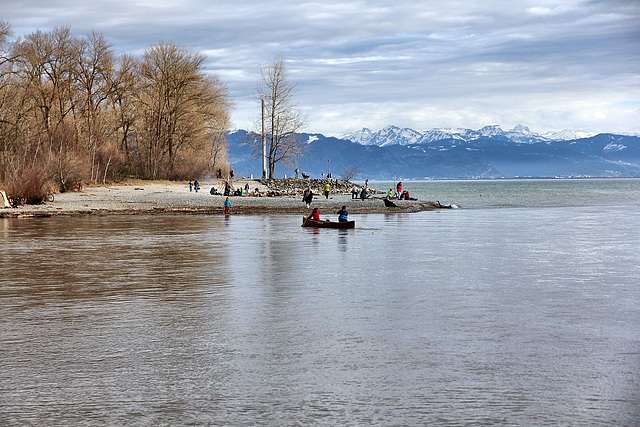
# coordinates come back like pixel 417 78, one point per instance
pixel 194 186
pixel 362 194
pixel 400 195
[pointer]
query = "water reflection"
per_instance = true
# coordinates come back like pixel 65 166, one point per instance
pixel 207 320
pixel 342 239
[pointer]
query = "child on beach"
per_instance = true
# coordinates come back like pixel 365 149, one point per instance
pixel 227 206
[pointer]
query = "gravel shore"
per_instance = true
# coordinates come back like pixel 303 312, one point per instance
pixel 172 197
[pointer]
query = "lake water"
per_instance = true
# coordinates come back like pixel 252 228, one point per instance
pixel 520 308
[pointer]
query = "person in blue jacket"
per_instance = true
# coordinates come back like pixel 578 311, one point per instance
pixel 343 215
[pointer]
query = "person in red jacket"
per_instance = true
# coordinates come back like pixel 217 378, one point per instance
pixel 315 214
pixel 399 189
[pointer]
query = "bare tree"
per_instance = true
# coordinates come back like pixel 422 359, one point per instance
pixel 47 67
pixel 123 101
pixel 5 33
pixel 282 117
pixel 180 107
pixel 94 82
pixel 349 173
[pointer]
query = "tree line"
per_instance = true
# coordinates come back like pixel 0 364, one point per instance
pixel 72 111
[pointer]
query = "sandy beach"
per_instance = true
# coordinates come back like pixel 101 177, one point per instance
pixel 174 197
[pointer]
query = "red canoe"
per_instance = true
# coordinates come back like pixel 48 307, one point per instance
pixel 306 222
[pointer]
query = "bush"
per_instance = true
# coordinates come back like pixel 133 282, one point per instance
pixel 29 185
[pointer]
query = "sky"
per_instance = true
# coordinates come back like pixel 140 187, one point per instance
pixel 421 64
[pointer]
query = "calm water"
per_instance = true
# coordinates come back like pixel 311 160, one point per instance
pixel 520 308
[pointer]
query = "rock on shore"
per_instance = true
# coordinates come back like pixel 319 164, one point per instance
pixel 293 186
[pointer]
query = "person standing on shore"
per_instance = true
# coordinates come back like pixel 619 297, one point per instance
pixel 196 185
pixel 307 197
pixel 399 189
pixel 327 189
pixel 227 206
pixel 190 186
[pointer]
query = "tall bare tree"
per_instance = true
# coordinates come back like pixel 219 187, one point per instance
pixel 123 101
pixel 180 105
pixel 282 117
pixel 7 99
pixel 95 69
pixel 5 33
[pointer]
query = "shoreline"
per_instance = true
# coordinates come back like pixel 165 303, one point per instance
pixel 153 198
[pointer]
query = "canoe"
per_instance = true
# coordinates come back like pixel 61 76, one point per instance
pixel 306 222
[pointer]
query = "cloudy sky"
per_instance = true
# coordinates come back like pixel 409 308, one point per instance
pixel 547 64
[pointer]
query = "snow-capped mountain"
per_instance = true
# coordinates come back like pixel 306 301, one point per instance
pixel 567 135
pixel 390 135
pixel 520 134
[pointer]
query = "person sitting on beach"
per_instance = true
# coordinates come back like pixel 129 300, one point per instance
pixel 408 197
pixel 343 215
pixel 389 193
pixel 314 215
pixel 363 194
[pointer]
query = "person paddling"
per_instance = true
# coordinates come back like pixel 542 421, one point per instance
pixel 343 215
pixel 315 215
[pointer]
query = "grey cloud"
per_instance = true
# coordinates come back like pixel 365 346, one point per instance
pixel 416 64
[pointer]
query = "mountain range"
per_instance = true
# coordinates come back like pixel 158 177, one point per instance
pixel 394 135
pixel 486 153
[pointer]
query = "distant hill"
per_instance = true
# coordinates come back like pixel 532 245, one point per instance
pixel 486 153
